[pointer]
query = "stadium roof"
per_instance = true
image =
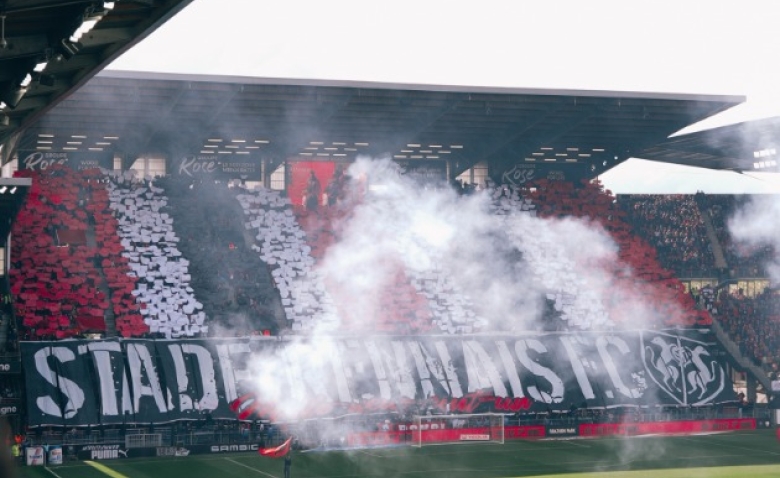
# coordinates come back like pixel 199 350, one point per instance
pixel 42 60
pixel 749 146
pixel 133 113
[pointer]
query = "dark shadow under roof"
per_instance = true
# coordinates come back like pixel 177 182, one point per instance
pixel 282 118
pixel 738 147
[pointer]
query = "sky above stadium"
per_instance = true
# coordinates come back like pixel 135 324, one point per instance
pixel 704 47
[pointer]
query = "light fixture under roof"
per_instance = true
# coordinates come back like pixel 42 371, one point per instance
pixel 78 136
pixel 110 137
pixel 340 155
pixel 45 135
pixel 331 149
pixel 434 146
pixel 456 146
pixel 214 140
pixel 95 149
pixel 307 154
pixel 311 148
pixel 598 150
pixel 43 147
pixel 73 142
pixel 211 146
pixel 412 145
pixel 40 141
pixel 238 141
pixel 337 143
pixel 546 148
pixel 224 152
pixel 242 152
pixel 251 147
pixel 318 143
pixel 262 141
pixel 102 143
pixel 69 148
pixel 206 152
pixel 350 149
pixel 361 144
pixel 399 156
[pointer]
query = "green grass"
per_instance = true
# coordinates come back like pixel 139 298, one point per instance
pixel 745 454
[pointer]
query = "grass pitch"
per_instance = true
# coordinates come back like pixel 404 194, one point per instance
pixel 753 454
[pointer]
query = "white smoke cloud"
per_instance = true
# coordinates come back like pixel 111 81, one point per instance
pixel 495 273
pixel 757 224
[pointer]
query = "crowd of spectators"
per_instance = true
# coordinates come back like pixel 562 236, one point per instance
pixel 743 261
pixel 229 278
pixel 674 226
pixel 753 323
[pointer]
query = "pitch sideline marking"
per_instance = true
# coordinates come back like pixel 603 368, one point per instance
pixel 250 467
pixel 51 471
pixel 108 471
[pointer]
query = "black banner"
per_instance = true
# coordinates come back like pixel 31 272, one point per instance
pixel 522 173
pixel 144 381
pixel 243 167
pixel 77 160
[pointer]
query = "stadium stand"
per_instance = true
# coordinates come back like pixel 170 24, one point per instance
pixel 674 226
pixel 161 283
pixel 228 277
pixel 65 242
pixel 644 278
pixel 742 262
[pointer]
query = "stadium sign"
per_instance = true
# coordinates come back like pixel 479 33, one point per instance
pixel 143 381
pixel 212 165
pixel 77 160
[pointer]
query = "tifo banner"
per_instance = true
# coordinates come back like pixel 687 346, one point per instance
pixel 217 166
pixel 77 160
pixel 144 381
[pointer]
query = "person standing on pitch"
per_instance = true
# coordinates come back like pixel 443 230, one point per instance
pixel 287 464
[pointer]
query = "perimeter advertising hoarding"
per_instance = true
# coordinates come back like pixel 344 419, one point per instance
pixel 152 381
pixel 77 160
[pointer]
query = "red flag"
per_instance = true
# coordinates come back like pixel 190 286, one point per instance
pixel 277 452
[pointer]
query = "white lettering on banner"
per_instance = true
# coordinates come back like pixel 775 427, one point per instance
pixel 511 369
pixel 5 367
pixel 37 160
pixel 230 373
pixel 481 371
pixel 101 357
pixel 427 364
pixel 209 400
pixel 556 393
pixel 379 370
pixel 609 364
pixel 449 369
pixel 578 365
pixel 401 371
pixel 185 401
pixel 66 386
pixel 140 360
pixel 192 164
